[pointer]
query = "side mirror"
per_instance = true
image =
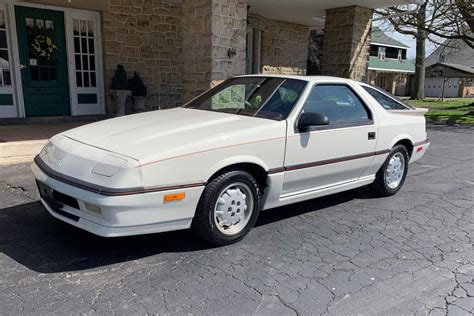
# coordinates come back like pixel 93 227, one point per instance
pixel 309 119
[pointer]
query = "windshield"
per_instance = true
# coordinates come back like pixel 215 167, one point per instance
pixel 271 98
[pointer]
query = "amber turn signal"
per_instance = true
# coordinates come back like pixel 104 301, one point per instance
pixel 174 197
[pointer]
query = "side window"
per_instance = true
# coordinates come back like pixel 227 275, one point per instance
pixel 384 100
pixel 338 103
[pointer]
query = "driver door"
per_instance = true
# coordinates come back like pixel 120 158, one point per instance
pixel 333 154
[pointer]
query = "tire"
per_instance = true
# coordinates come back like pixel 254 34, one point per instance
pixel 383 186
pixel 234 216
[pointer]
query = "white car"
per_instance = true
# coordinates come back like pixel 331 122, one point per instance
pixel 252 143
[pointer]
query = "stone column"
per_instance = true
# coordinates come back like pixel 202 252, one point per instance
pixel 347 42
pixel 214 43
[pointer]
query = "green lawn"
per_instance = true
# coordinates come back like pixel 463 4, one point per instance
pixel 449 111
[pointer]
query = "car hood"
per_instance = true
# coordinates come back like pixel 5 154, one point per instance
pixel 165 134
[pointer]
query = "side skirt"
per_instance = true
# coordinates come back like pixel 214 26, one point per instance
pixel 275 182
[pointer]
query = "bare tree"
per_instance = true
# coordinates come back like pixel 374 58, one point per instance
pixel 434 20
pixel 466 9
pixel 412 21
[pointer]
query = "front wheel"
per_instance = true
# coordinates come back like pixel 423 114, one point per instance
pixel 228 208
pixel 391 176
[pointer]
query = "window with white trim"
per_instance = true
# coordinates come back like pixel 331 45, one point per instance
pixel 84 53
pixel 5 68
pixel 382 51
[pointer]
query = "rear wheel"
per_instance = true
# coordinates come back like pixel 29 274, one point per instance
pixel 391 176
pixel 228 208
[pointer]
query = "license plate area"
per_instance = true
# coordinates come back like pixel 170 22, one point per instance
pixel 56 199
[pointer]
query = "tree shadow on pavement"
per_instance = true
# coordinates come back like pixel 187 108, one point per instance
pixel 36 240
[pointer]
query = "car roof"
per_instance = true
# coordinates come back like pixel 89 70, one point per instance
pixel 299 77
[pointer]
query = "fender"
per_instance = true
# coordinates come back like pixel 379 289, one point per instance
pixel 400 137
pixel 237 160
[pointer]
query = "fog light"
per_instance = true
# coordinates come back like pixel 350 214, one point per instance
pixel 93 208
pixel 174 197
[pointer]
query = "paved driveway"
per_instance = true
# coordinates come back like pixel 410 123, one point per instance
pixel 349 253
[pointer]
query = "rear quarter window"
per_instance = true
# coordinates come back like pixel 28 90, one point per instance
pixel 386 101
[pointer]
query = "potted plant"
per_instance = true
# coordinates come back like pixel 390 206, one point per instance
pixel 120 89
pixel 139 92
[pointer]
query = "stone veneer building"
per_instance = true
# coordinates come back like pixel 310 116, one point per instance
pixel 57 57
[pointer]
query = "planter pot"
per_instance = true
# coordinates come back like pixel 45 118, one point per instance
pixel 139 103
pixel 120 100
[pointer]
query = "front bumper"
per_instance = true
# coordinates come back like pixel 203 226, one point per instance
pixel 115 216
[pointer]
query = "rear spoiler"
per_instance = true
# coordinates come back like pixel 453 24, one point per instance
pixel 414 112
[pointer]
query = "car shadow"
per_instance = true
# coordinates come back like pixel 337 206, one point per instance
pixel 39 242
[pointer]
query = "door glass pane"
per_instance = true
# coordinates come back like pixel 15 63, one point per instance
pixel 86 79
pixel 83 28
pixel 84 45
pixel 75 27
pixel 39 23
pixel 91 46
pixel 3 39
pixel 83 32
pixel 5 75
pixel 4 59
pixel 2 19
pixel 85 63
pixel 93 80
pixel 78 62
pixel 42 48
pixel 79 78
pixel 91 62
pixel 49 25
pixel 77 45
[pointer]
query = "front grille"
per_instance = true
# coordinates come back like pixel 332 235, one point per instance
pixel 56 207
pixel 65 199
pixel 56 201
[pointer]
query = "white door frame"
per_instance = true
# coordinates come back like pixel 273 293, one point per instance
pixel 15 65
pixel 10 111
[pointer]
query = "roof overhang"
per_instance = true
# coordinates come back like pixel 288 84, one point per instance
pixel 310 12
pixel 391 70
pixel 389 45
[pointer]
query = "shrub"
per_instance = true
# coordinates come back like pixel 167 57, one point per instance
pixel 138 87
pixel 120 80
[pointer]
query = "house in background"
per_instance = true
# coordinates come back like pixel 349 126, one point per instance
pixel 450 71
pixel 57 57
pixel 389 68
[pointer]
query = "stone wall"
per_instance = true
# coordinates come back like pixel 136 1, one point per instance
pixel 347 42
pixel 145 36
pixel 214 43
pixel 284 46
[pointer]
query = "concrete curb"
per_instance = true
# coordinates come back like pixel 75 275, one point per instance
pixel 20 151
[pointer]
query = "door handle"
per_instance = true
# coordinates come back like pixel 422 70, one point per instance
pixel 371 135
pixel 22 67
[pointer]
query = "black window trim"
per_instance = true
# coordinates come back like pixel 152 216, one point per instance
pixel 335 126
pixel 406 106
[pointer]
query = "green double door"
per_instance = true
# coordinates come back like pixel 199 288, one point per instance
pixel 43 62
